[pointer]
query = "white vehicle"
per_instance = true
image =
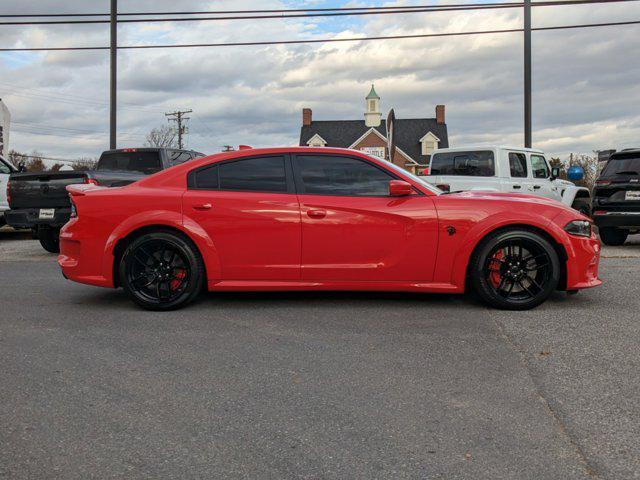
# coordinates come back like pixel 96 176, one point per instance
pixel 6 169
pixel 504 169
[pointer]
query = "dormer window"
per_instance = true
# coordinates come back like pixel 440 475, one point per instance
pixel 316 141
pixel 429 143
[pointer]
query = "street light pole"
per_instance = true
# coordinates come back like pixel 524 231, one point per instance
pixel 114 76
pixel 527 73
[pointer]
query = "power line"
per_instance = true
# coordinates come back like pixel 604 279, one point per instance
pixel 324 40
pixel 434 8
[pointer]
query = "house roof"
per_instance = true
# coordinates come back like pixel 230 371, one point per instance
pixel 408 132
pixel 372 94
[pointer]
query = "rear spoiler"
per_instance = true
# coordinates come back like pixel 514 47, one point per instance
pixel 81 189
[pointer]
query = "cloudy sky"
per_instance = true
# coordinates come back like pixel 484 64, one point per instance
pixel 585 82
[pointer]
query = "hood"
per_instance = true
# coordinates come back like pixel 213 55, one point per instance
pixel 512 197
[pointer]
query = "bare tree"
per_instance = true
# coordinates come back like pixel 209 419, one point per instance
pixel 163 136
pixel 56 167
pixel 589 164
pixel 84 164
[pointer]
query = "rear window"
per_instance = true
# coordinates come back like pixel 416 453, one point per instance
pixel 622 165
pixel 144 162
pixel 473 164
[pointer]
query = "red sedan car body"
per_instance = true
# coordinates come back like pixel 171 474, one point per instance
pixel 307 230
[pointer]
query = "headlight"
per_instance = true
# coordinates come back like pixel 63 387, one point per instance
pixel 581 228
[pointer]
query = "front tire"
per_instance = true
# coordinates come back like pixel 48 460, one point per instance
pixel 162 271
pixel 614 237
pixel 514 269
pixel 49 239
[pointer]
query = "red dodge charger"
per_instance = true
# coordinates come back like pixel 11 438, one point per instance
pixel 320 219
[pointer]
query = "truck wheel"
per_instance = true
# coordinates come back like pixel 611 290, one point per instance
pixel 49 239
pixel 162 271
pixel 514 269
pixel 614 237
pixel 583 205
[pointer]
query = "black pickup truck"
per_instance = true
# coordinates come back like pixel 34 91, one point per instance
pixel 616 197
pixel 40 201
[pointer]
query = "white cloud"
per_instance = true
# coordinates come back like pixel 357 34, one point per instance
pixel 585 88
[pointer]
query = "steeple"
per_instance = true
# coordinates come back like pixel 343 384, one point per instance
pixel 372 115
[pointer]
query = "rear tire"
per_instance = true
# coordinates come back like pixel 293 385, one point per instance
pixel 49 239
pixel 162 271
pixel 514 269
pixel 583 205
pixel 614 237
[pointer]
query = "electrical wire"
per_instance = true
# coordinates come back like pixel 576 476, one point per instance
pixel 324 40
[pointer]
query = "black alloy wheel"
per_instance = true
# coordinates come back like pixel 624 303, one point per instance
pixel 161 271
pixel 515 270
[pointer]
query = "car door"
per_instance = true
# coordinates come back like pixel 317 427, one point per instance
pixel 541 178
pixel 519 181
pixel 5 171
pixel 352 230
pixel 249 209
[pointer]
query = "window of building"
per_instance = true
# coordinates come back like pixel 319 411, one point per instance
pixel 518 164
pixel 372 105
pixel 539 167
pixel 474 164
pixel 328 175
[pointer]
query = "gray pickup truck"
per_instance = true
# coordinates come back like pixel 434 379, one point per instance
pixel 39 200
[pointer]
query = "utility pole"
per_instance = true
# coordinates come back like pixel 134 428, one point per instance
pixel 179 117
pixel 527 73
pixel 114 76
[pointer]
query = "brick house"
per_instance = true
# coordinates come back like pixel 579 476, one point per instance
pixel 416 138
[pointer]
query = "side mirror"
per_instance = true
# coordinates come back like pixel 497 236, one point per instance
pixel 555 173
pixel 399 188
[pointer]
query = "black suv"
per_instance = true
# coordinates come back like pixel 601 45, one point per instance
pixel 616 197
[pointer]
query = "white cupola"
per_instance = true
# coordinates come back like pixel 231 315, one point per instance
pixel 372 115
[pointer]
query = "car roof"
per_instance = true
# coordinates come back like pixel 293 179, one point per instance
pixel 465 148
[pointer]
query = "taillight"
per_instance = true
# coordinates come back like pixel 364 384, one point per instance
pixel 91 181
pixel 74 211
pixel 603 182
pixel 444 187
pixel 9 192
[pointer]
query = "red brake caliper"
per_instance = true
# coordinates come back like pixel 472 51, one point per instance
pixel 495 277
pixel 178 281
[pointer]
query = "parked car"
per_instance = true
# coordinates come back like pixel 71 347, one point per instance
pixel 616 197
pixel 40 201
pixel 504 169
pixel 305 218
pixel 6 169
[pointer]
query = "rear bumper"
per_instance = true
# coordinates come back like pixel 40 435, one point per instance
pixel 606 218
pixel 30 218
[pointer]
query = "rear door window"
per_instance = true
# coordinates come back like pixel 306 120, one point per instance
pixel 518 164
pixel 144 162
pixel 473 164
pixel 258 174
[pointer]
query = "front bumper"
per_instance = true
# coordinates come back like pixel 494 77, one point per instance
pixel 583 261
pixel 619 219
pixel 30 218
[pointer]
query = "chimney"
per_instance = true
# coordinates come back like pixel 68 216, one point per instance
pixel 439 113
pixel 306 117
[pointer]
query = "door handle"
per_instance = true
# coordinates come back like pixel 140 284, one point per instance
pixel 317 213
pixel 517 187
pixel 537 187
pixel 203 206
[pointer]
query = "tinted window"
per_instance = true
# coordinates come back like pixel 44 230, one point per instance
pixel 145 162
pixel 325 175
pixel 266 174
pixel 177 157
pixel 628 164
pixel 539 167
pixel 518 164
pixel 207 178
pixel 474 164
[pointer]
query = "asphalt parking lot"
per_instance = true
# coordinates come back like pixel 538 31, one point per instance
pixel 327 385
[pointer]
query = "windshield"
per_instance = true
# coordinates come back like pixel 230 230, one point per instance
pixel 622 164
pixel 145 162
pixel 413 177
